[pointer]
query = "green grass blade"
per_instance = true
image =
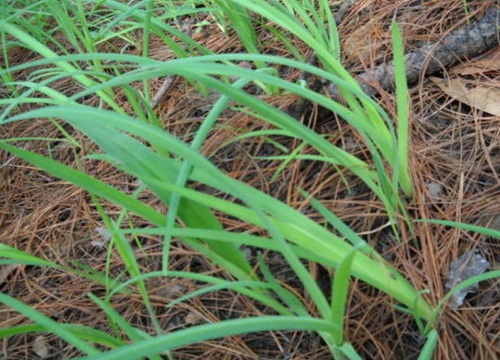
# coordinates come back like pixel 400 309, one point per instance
pixel 228 251
pixel 307 234
pixel 159 344
pixel 466 283
pixel 113 316
pixel 427 352
pixel 340 291
pixel 347 350
pixel 49 324
pixel 241 287
pixel 129 259
pixel 10 255
pixel 401 165
pixel 84 332
pixel 469 227
pixel 43 50
pixel 288 298
pixel 338 224
pixel 253 289
pixel 88 183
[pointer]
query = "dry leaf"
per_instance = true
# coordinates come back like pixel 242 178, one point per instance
pixel 466 266
pixel 173 291
pixel 193 318
pixel 485 98
pixel 40 347
pixel 105 235
pixel 435 189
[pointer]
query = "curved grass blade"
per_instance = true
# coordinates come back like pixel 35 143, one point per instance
pixel 159 344
pixel 84 332
pixel 49 324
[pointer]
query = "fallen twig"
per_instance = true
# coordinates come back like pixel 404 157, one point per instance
pixel 169 80
pixel 469 41
pixel 162 91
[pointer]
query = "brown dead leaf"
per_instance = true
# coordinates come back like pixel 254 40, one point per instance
pixel 173 291
pixel 105 236
pixel 193 318
pixel 485 98
pixel 40 347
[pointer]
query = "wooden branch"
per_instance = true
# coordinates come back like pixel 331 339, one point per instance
pixel 469 41
pixel 169 80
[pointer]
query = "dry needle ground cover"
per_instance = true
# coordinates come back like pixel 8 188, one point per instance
pixel 92 243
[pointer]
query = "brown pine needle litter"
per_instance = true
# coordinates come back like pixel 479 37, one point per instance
pixel 455 165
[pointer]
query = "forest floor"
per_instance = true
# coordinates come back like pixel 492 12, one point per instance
pixel 455 163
